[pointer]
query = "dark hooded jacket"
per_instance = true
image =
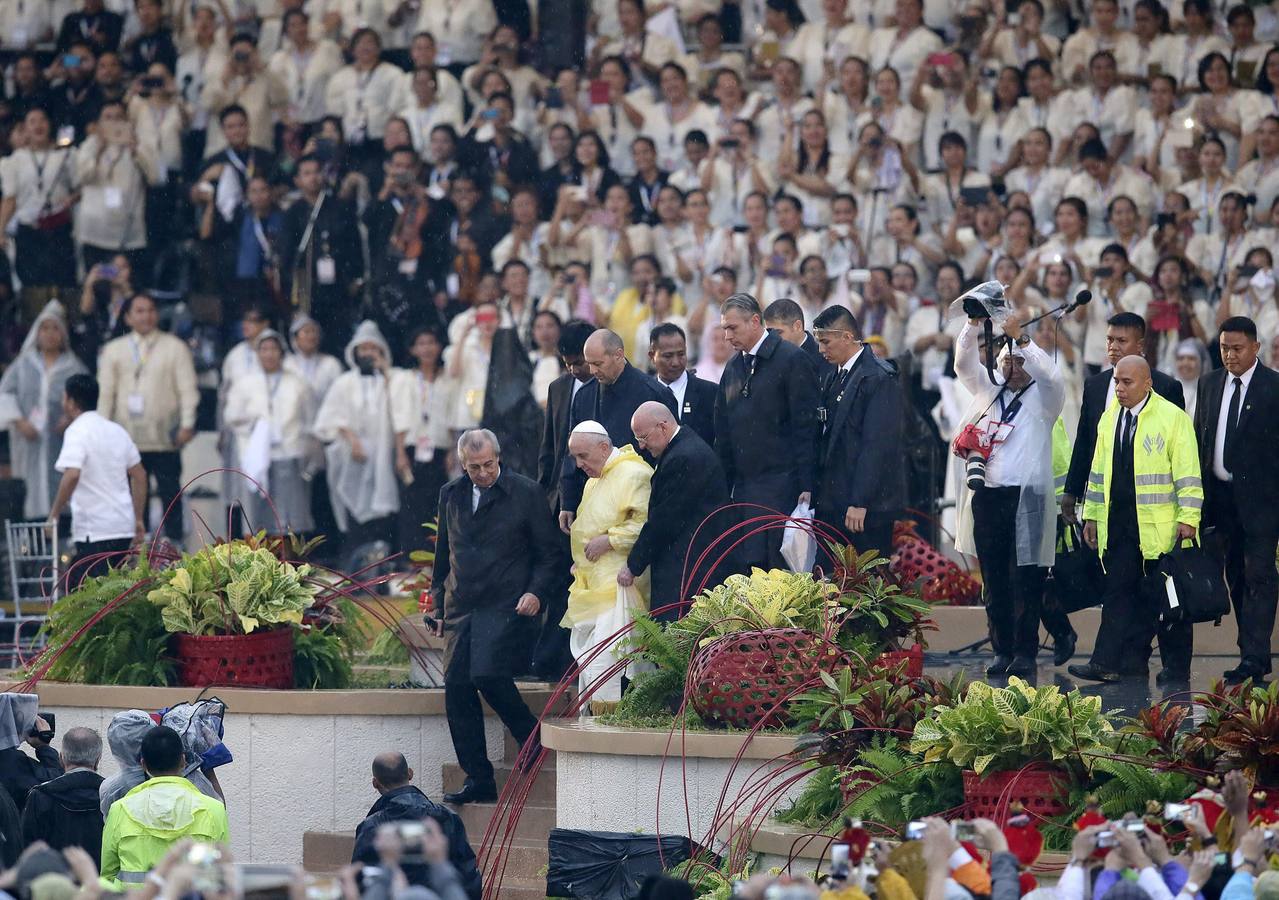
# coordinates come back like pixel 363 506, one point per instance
pixel 408 804
pixel 64 813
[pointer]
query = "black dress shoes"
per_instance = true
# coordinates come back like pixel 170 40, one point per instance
pixel 1063 648
pixel 1172 676
pixel 999 666
pixel 1022 667
pixel 1089 672
pixel 473 792
pixel 1243 672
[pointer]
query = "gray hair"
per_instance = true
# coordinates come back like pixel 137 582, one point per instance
pixel 82 747
pixel 744 303
pixel 477 439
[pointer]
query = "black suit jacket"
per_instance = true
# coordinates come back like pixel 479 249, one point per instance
pixel 485 560
pixel 822 367
pixel 613 409
pixel 861 448
pixel 688 485
pixel 555 431
pixel 1256 478
pixel 768 438
pixel 698 410
pixel 102 30
pixel 1094 404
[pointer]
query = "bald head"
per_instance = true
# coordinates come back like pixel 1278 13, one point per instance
pixel 390 771
pixel 1132 381
pixel 654 425
pixel 605 355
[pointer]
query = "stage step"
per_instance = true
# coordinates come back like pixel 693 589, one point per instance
pixel 534 826
pixel 542 792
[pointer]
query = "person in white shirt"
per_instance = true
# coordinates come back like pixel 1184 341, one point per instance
pixel 459 28
pixel 102 480
pixel 364 93
pixel 1082 46
pixel 420 398
pixel 904 46
pixel 1109 106
pixel 777 122
pixel 425 110
pixel 1103 180
pixel 304 66
pixel 246 82
pixel 1215 181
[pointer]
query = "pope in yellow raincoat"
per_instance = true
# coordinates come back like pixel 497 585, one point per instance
pixel 613 509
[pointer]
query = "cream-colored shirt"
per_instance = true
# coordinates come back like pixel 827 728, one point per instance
pixel 148 386
pixel 364 100
pixel 263 96
pixel 113 194
pixel 34 178
pixel 306 77
pixel 282 399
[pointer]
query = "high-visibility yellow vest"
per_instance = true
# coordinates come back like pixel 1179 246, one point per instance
pixel 1165 464
pixel 1061 458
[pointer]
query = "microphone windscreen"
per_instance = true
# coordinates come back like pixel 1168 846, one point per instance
pixel 1083 297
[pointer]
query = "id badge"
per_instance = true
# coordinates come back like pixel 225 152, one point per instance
pixel 18 37
pixel 326 271
pixel 408 267
pixel 423 450
pixel 39 416
pixel 443 54
pixel 112 198
pixel 136 405
pixel 276 437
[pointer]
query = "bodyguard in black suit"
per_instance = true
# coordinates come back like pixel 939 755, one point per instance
pixel 610 399
pixel 1237 423
pixel 765 425
pixel 687 487
pixel 786 317
pixel 694 397
pixel 552 657
pixel 862 485
pixel 495 560
pixel 1125 336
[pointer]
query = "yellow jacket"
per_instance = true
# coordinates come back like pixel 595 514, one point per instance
pixel 144 823
pixel 629 313
pixel 615 504
pixel 1166 471
pixel 1061 458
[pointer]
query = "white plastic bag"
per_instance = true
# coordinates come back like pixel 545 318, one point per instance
pixel 799 547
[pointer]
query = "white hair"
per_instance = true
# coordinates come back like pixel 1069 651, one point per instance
pixel 477 439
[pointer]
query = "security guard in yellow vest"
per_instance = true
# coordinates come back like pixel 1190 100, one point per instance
pixel 1144 496
pixel 1051 614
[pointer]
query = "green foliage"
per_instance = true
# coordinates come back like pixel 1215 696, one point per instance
pixel 879 615
pixel 707 877
pixel 1122 787
pixel 232 589
pixel 819 803
pixel 656 693
pixel 1004 728
pixel 321 660
pixel 389 649
pixel 761 600
pixel 129 645
pixel 891 786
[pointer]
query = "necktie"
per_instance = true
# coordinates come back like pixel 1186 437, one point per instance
pixel 1127 446
pixel 1232 424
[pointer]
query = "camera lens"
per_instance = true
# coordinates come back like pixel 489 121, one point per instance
pixel 975 470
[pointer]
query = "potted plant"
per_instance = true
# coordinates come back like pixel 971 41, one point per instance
pixel 1016 743
pixel 880 619
pixel 231 609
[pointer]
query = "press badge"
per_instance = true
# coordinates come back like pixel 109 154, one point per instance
pixel 136 405
pixel 326 271
pixel 423 450
pixel 112 197
pixel 443 54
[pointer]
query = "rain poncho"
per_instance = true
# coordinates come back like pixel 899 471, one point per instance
pixel 124 737
pixel 19 773
pixel 1041 405
pixel 368 490
pixel 148 820
pixel 17 718
pixel 615 504
pixel 33 392
pixel 200 726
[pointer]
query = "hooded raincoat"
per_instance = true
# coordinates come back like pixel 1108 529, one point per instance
pixel 142 826
pixel 32 391
pixel 361 491
pixel 124 737
pixel 615 504
pixel 1041 404
pixel 19 773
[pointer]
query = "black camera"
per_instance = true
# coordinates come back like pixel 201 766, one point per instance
pixel 975 309
pixel 152 83
pixel 1247 271
pixel 1104 271
pixel 1165 218
pixel 366 364
pixel 242 56
pixel 46 736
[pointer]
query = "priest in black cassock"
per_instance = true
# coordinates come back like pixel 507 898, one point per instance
pixel 610 399
pixel 496 561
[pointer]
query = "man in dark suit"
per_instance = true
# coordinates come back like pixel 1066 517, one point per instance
pixel 765 425
pixel 862 486
pixel 246 160
pixel 688 486
pixel 694 397
pixel 1237 423
pixel 93 23
pixel 787 319
pixel 495 560
pixel 610 399
pixel 1125 336
pixel 552 657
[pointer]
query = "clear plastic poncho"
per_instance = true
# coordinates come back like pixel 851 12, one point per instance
pixel 124 737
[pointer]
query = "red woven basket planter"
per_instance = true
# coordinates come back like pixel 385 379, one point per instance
pixel 739 678
pixel 1042 791
pixel 261 659
pixel 913 657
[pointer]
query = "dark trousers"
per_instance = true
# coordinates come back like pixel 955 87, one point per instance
pixel 876 534
pixel 420 502
pixel 466 715
pixel 552 657
pixel 165 466
pixel 106 551
pixel 1013 594
pixel 1129 616
pixel 1248 555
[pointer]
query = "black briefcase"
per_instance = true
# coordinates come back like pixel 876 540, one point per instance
pixel 1076 573
pixel 1189 586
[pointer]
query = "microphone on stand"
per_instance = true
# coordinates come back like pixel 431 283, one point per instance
pixel 1083 298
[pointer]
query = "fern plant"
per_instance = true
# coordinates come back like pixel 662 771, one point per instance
pixel 891 787
pixel 321 660
pixel 819 803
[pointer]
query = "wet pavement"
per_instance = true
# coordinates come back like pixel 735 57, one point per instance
pixel 1126 697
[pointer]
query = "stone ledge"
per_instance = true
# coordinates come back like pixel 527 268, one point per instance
pixel 584 736
pixel 406 702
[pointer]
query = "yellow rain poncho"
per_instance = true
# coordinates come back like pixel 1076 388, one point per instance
pixel 615 504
